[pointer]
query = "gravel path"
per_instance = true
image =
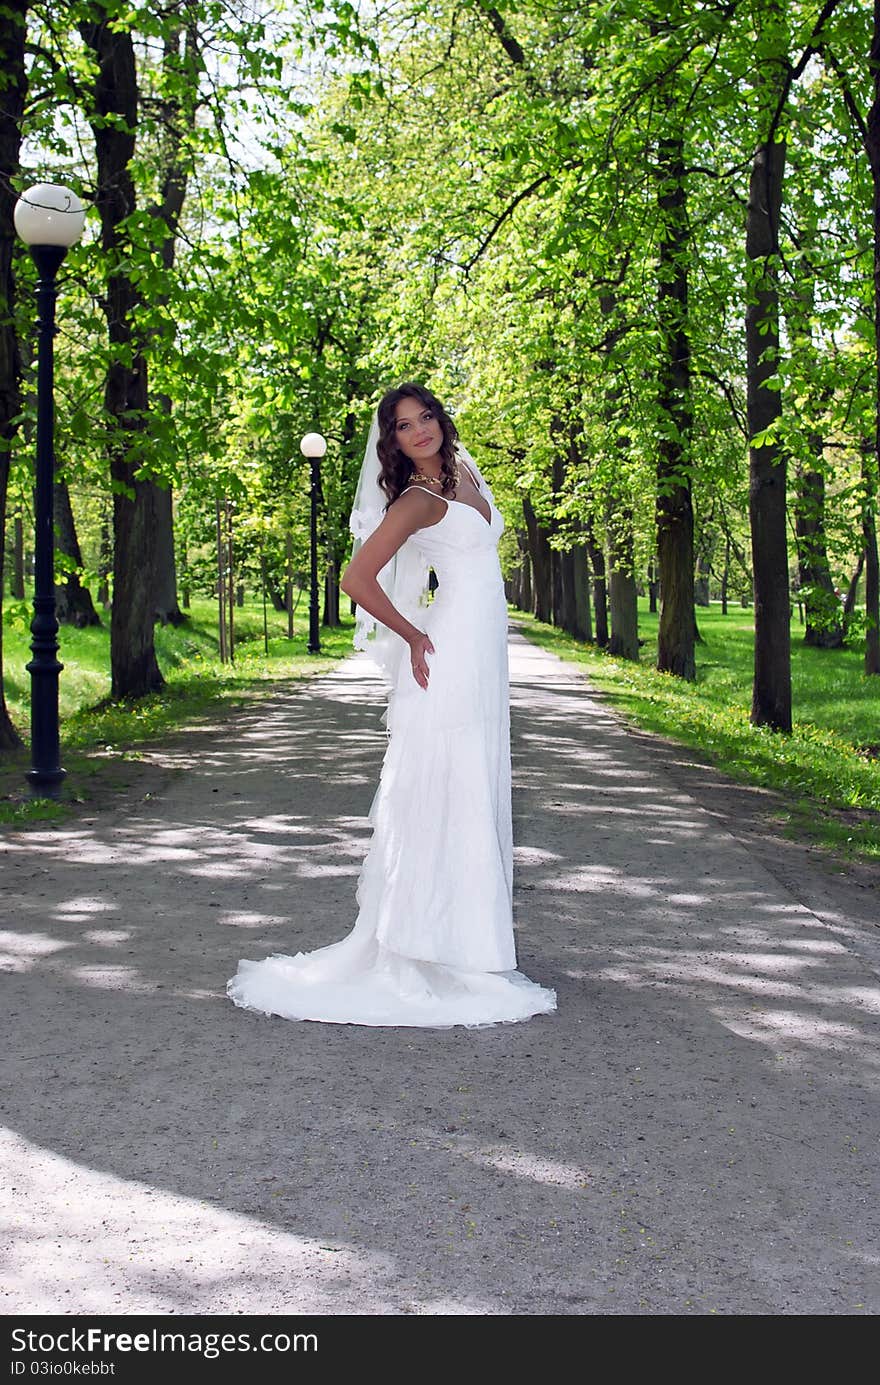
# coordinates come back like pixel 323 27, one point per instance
pixel 695 1131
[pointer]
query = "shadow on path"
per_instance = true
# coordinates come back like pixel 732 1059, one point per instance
pixel 695 1130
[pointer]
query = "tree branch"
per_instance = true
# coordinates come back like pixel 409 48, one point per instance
pixel 500 220
pixel 795 71
pixel 505 37
pixel 846 92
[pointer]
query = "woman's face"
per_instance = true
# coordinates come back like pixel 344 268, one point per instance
pixel 417 430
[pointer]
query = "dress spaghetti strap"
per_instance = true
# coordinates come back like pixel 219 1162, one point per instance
pixel 417 487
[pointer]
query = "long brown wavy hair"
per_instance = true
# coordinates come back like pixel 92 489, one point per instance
pixel 397 469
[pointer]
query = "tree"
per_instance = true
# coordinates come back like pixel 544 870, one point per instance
pixel 871 458
pixel 771 689
pixel 675 515
pixel 113 116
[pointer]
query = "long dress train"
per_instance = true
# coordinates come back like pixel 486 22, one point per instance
pixel 433 943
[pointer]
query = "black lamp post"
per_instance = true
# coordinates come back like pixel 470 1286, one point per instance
pixel 313 446
pixel 49 219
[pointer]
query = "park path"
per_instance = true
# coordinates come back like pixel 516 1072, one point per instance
pixel 694 1131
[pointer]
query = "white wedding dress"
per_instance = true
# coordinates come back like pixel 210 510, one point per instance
pixel 433 943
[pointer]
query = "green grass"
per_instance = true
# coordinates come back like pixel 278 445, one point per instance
pixel 197 686
pixel 827 769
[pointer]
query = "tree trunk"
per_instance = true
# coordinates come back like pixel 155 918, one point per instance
pixel 513 586
pixel 871 464
pixel 771 690
pixel 621 588
pixel 178 116
pixel 539 551
pixel 703 577
pixel 221 581
pixel 331 592
pixel 566 614
pixel 583 623
pixel 275 594
pixel 624 640
pixel 166 608
pixel 73 601
pixel 570 599
pixel 13 22
pixel 725 576
pixel 674 507
pixel 555 587
pixel 600 586
pixel 821 605
pixel 230 582
pixel 872 570
pixel 653 587
pixel 563 586
pixel 521 581
pixel 105 565
pixel 133 665
pixel 849 600
pixel 134 668
pixel 526 593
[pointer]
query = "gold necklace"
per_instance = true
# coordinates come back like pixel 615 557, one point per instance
pixel 438 480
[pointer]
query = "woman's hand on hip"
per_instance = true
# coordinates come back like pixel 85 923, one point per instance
pixel 419 646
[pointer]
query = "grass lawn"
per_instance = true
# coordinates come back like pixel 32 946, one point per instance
pixel 99 737
pixel 828 768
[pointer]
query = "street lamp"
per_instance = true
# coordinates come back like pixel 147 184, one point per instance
pixel 313 446
pixel 49 219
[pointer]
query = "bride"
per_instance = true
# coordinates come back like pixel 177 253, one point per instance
pixel 433 943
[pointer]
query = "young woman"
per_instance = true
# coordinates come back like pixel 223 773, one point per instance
pixel 433 943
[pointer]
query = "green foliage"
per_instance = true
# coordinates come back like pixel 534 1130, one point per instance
pixel 474 197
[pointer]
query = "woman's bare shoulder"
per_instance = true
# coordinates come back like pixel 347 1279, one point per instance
pixel 417 504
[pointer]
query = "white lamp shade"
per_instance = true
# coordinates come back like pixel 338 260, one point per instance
pixel 313 445
pixel 48 214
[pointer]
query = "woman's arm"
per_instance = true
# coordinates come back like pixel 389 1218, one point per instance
pixel 415 510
